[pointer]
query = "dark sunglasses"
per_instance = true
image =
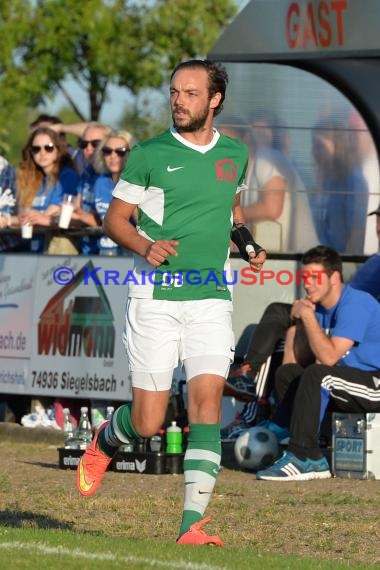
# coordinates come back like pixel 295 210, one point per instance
pixel 46 147
pixel 84 144
pixel 122 151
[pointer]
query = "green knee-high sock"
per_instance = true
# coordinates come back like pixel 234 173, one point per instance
pixel 201 467
pixel 120 430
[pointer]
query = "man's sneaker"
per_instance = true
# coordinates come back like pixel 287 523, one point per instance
pixel 240 384
pixel 240 371
pixel 232 432
pixel 195 535
pixel 92 466
pixel 290 468
pixel 282 433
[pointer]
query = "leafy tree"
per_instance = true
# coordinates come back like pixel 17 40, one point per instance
pixel 147 115
pixel 99 42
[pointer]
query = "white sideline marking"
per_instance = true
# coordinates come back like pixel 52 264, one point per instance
pixel 77 553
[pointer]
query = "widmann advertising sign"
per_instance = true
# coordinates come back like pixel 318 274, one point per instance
pixel 61 334
pixel 78 323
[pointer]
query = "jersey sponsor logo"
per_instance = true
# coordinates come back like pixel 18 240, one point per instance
pixel 225 170
pixel 174 168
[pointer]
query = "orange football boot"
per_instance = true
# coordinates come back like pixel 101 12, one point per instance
pixel 92 466
pixel 195 535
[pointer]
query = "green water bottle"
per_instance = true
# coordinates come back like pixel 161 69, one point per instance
pixel 173 439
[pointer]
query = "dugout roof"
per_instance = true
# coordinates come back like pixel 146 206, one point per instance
pixel 337 40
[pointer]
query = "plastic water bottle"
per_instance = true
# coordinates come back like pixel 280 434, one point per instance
pixel 68 429
pixel 156 441
pixel 173 439
pixel 110 411
pixel 84 428
pixel 98 414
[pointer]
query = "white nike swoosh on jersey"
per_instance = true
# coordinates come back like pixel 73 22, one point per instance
pixel 376 381
pixel 170 169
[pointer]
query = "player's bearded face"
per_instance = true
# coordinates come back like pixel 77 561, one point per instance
pixel 186 121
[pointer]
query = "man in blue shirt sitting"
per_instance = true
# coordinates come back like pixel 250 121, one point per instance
pixel 342 326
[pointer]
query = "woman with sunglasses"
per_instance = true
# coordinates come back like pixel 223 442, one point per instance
pixel 109 160
pixel 46 172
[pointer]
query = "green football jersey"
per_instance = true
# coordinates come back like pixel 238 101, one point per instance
pixel 184 192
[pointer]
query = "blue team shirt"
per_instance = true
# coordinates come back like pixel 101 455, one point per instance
pixel 103 195
pixel 8 182
pixel 340 210
pixel 367 277
pixel 88 244
pixel 67 183
pixel 355 316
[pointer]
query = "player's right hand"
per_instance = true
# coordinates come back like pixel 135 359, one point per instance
pixel 158 251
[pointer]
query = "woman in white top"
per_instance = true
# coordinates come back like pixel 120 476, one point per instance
pixel 280 207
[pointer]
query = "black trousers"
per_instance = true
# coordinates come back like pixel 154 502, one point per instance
pixel 267 340
pixel 272 327
pixel 300 392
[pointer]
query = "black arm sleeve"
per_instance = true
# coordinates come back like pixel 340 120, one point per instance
pixel 242 237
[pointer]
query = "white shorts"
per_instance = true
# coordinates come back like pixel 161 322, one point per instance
pixel 160 334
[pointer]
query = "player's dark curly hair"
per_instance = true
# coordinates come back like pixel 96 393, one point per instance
pixel 325 256
pixel 217 77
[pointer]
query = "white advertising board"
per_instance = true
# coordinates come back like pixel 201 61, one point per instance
pixel 16 311
pixel 78 321
pixel 14 375
pixel 17 278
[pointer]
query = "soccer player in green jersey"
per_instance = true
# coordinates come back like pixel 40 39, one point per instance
pixel 186 185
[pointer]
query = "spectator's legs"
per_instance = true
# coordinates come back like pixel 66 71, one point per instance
pixel 353 390
pixel 286 383
pixel 305 420
pixel 271 328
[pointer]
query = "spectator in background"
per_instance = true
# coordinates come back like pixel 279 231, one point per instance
pixel 367 277
pixel 339 204
pixel 85 212
pixel 364 146
pixel 346 372
pixel 268 132
pixel 46 172
pixel 44 120
pixel 8 242
pixel 109 160
pixel 56 124
pixel 80 154
pixel 280 206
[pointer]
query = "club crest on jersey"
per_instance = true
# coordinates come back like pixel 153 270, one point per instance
pixel 225 170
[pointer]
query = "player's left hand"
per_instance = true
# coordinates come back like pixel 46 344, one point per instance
pixel 256 262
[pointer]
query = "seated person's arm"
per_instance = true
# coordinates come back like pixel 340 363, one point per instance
pixel 76 129
pixel 82 218
pixel 328 350
pixel 289 357
pixel 270 203
pixel 37 218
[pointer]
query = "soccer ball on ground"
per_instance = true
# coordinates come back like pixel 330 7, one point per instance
pixel 256 448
